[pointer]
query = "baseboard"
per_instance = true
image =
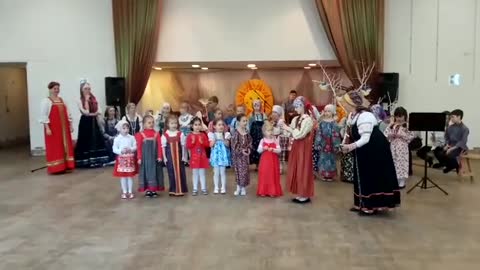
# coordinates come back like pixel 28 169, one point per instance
pixel 11 143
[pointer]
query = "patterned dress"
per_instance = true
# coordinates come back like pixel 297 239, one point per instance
pixel 399 138
pixel 255 127
pixel 327 141
pixel 346 162
pixel 220 153
pixel 173 142
pixel 149 150
pixel 240 143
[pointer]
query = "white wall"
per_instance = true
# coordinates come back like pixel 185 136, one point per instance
pixel 61 40
pixel 13 99
pixel 439 38
pixel 247 30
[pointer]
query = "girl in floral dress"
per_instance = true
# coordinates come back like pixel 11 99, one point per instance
pixel 327 141
pixel 197 143
pixel 241 147
pixel 399 137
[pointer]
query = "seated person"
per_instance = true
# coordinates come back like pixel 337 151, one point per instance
pixel 437 142
pixel 456 137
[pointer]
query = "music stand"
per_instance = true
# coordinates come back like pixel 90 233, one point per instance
pixel 426 122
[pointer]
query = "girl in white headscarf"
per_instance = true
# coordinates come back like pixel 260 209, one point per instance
pixel 277 118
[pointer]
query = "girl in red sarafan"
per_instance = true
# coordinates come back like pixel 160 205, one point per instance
pixel 269 167
pixel 197 143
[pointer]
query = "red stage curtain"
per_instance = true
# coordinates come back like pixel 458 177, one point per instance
pixel 136 26
pixel 355 31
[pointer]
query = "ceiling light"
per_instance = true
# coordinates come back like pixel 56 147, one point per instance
pixel 251 65
pixel 253 68
pixel 157 68
pixel 195 66
pixel 307 67
pixel 312 64
pixel 204 68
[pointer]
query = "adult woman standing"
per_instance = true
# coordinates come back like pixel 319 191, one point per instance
pixel 375 179
pixel 110 131
pixel 90 150
pixel 58 128
pixel 300 166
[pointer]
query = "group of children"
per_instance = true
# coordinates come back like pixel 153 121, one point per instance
pixel 239 141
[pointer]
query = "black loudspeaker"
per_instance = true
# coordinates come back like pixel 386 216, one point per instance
pixel 388 86
pixel 115 91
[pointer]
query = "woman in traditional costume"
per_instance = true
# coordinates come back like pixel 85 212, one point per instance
pixel 300 167
pixel 57 124
pixel 375 180
pixel 133 118
pixel 110 131
pixel 90 150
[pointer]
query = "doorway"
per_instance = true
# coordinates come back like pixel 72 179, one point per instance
pixel 14 118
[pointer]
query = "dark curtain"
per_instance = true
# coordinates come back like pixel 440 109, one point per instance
pixel 355 31
pixel 136 27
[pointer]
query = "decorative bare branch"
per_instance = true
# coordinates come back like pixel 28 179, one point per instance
pixel 364 74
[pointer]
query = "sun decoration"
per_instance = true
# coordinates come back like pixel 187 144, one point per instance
pixel 252 90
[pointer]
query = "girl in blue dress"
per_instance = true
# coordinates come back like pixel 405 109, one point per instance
pixel 327 142
pixel 219 155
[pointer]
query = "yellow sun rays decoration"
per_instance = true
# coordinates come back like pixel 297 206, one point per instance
pixel 252 90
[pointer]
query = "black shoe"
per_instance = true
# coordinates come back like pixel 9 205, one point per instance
pixel 437 166
pixel 148 194
pixel 363 213
pixel 301 202
pixel 353 209
pixel 154 194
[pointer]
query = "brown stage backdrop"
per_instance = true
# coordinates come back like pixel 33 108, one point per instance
pixel 189 86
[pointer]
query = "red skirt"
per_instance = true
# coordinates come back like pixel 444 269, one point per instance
pixel 300 167
pixel 269 175
pixel 125 166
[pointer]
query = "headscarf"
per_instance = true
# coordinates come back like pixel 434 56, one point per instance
pixel 92 101
pixel 301 101
pixel 278 109
pixel 379 112
pixel 330 108
pixel 120 124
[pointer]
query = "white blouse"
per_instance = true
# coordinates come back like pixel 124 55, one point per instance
pixel 277 149
pixel 185 120
pixel 365 122
pixel 305 127
pixel 173 134
pixel 46 107
pixel 214 136
pixel 124 141
pixel 86 112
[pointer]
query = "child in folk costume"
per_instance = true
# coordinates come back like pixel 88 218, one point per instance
pixel 315 115
pixel 255 125
pixel 185 121
pixel 162 117
pixel 327 142
pixel 173 143
pixel 241 147
pixel 220 155
pixel 278 121
pixel 218 115
pixel 133 118
pixel 149 155
pixel 399 137
pixel 124 145
pixel 269 167
pixel 233 124
pixel 346 161
pixel 110 131
pixel 197 143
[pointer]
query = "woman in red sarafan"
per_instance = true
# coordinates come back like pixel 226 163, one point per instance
pixel 57 128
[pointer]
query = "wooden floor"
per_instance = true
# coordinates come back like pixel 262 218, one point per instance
pixel 78 221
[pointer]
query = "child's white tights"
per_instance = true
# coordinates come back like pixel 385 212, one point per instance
pixel 199 174
pixel 219 175
pixel 127 184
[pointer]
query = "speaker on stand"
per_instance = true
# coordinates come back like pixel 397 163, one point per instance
pixel 115 93
pixel 388 86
